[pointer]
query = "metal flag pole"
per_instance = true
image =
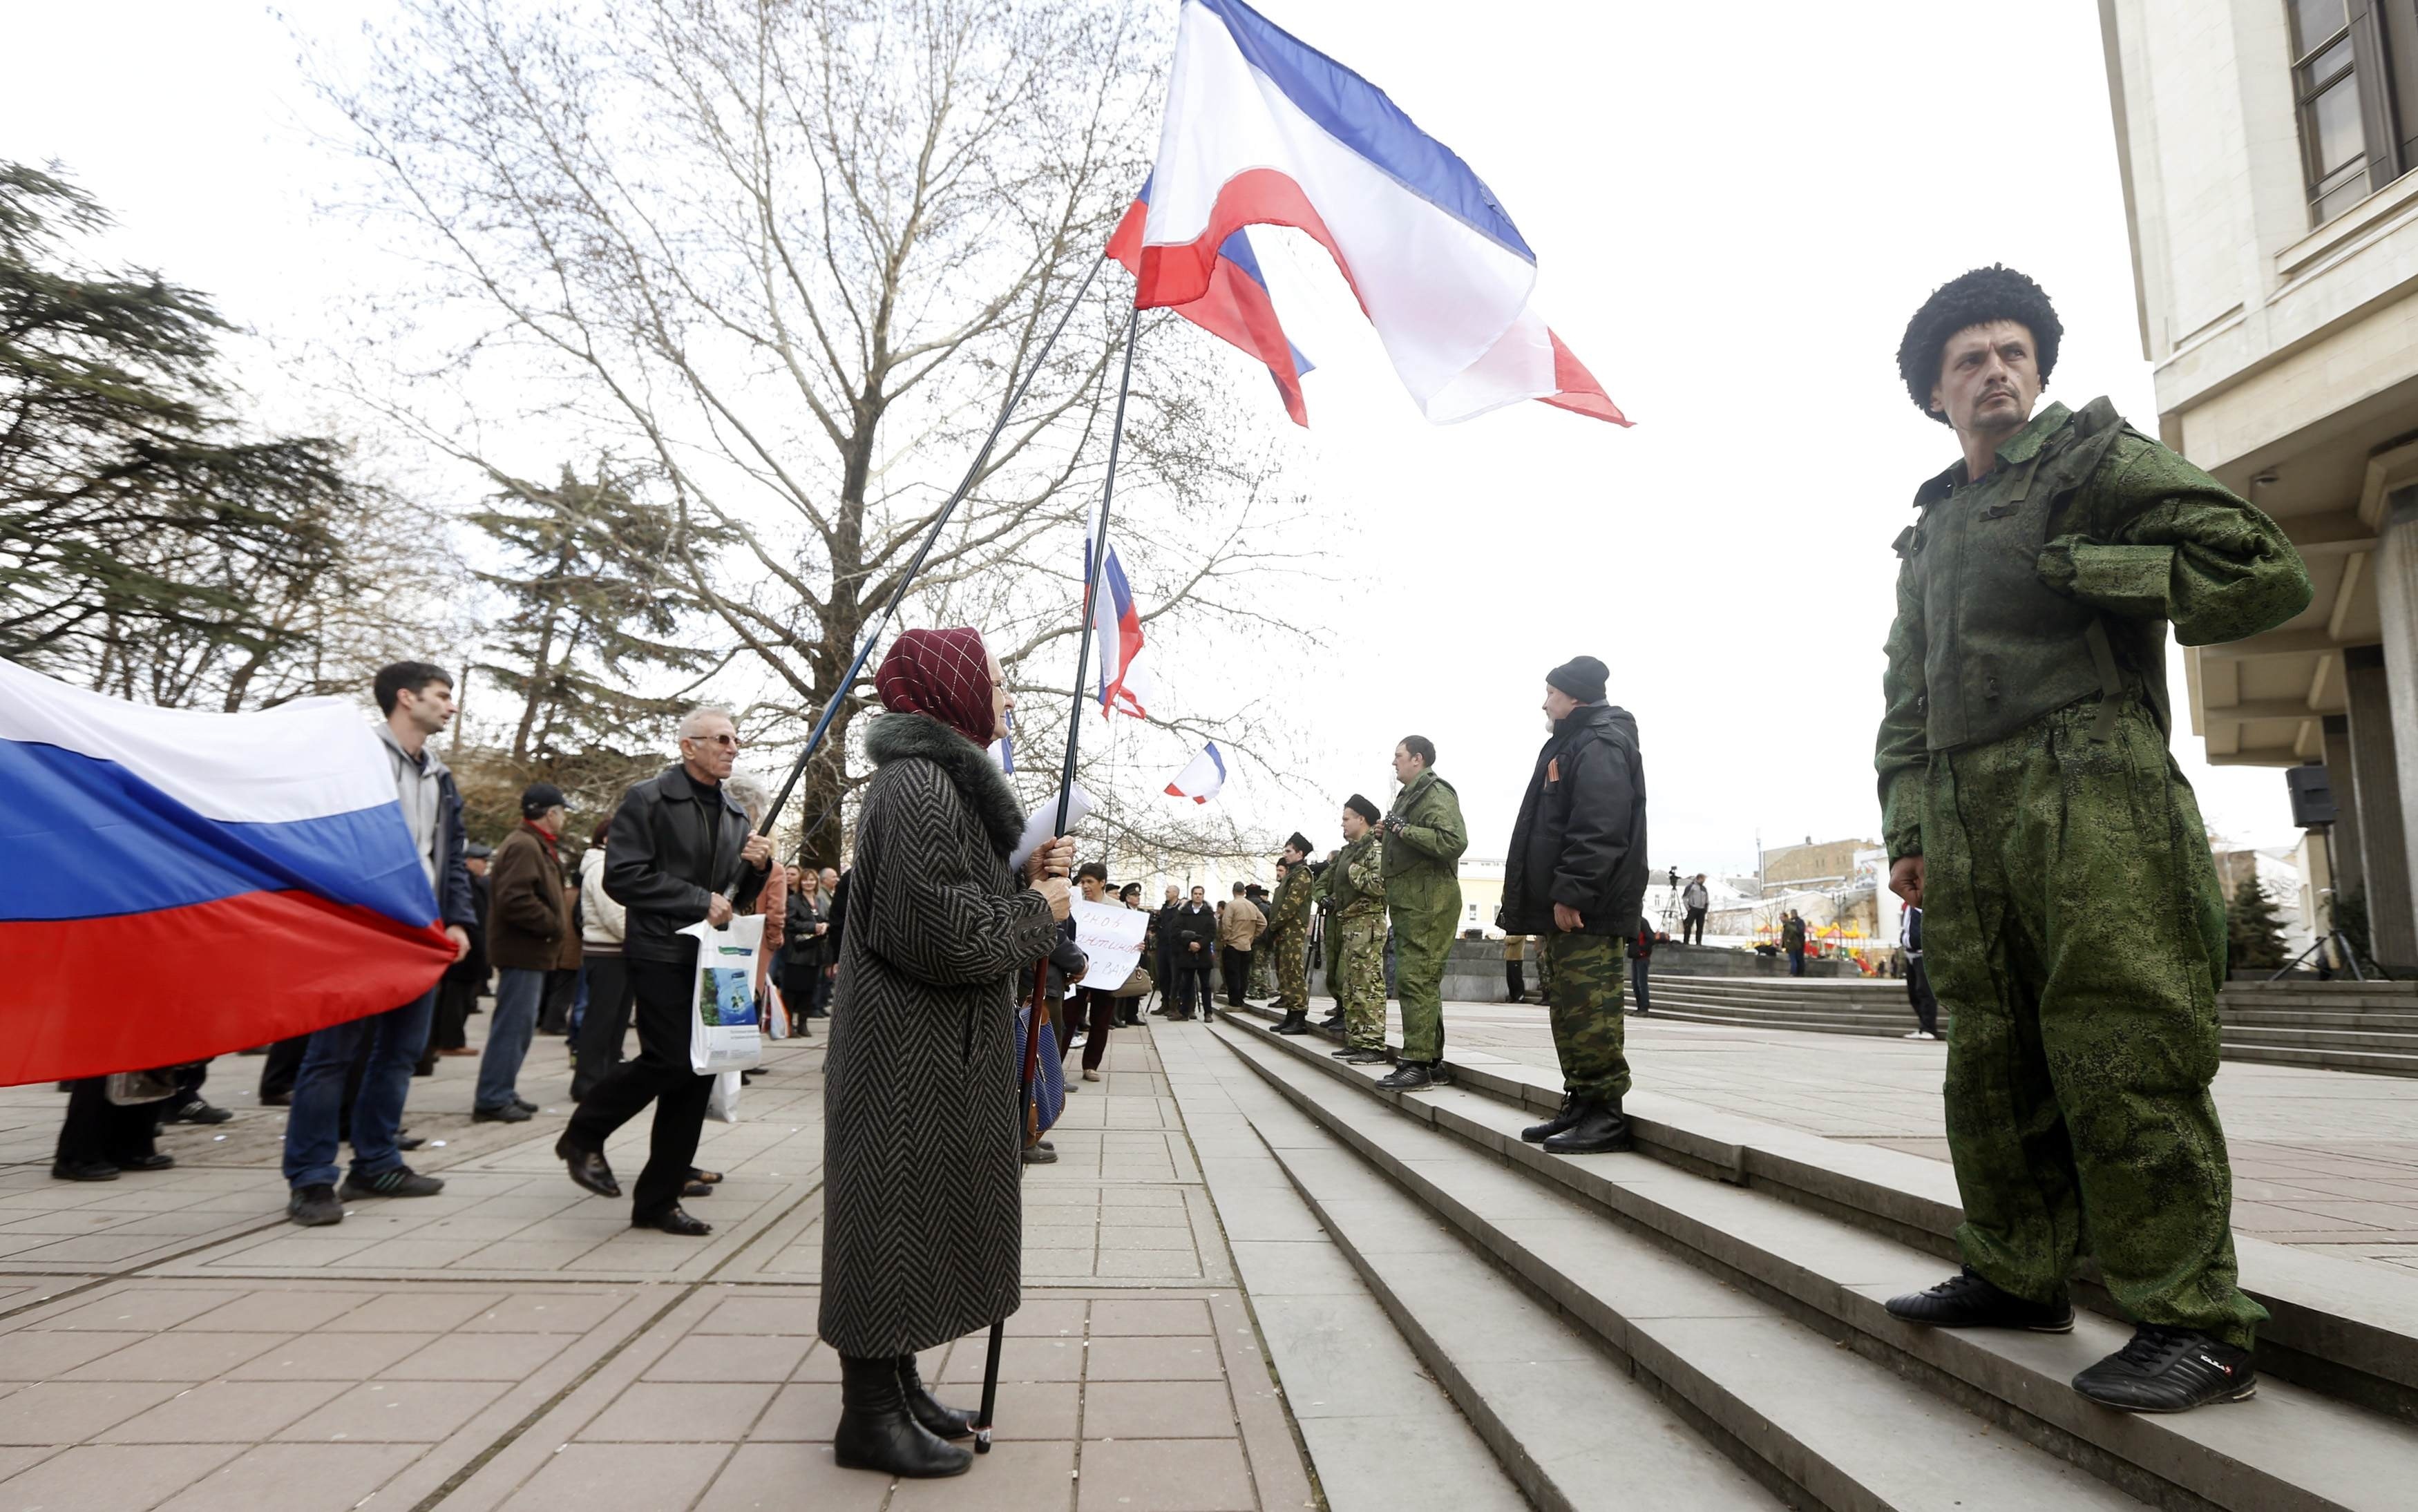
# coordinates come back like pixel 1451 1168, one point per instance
pixel 931 537
pixel 1094 570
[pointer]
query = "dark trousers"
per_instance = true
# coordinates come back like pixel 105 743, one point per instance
pixel 1918 992
pixel 280 1066
pixel 607 1024
pixel 553 1008
pixel 1191 978
pixel 1691 932
pixel 1515 986
pixel 451 1028
pixel 1237 966
pixel 1096 1013
pixel 1797 963
pixel 661 1075
pixel 1637 982
pixel 97 1129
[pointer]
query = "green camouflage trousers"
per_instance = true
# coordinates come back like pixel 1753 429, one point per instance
pixel 1261 981
pixel 1360 978
pixel 1292 953
pixel 2073 927
pixel 1421 941
pixel 1580 976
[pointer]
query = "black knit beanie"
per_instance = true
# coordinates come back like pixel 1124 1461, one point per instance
pixel 1582 677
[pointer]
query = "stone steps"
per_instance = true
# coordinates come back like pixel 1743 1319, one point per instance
pixel 1824 1230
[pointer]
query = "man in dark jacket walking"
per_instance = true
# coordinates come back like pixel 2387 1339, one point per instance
pixel 1194 937
pixel 1576 878
pixel 680 845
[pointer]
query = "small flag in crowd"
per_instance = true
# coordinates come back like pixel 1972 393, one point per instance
pixel 1234 308
pixel 1004 749
pixel 1116 642
pixel 1200 779
pixel 181 884
pixel 1262 130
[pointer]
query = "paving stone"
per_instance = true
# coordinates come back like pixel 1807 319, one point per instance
pixel 130 1477
pixel 746 1314
pixel 1013 1477
pixel 730 1357
pixel 411 1312
pixel 544 1312
pixel 68 1412
pixel 332 1356
pixel 1184 1315
pixel 1159 1409
pixel 784 1477
pixel 1166 1475
pixel 395 1412
pixel 620 1477
pixel 1155 1358
pixel 218 1411
pixel 680 1412
pixel 138 1310
pixel 1019 1359
pixel 803 1412
pixel 35 1355
pixel 298 1311
pixel 180 1356
pixel 296 1477
pixel 479 1357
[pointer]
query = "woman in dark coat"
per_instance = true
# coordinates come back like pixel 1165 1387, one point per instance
pixel 922 1221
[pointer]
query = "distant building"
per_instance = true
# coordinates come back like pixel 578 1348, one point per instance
pixel 1795 868
pixel 2266 151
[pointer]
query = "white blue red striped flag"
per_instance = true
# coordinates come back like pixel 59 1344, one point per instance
pixel 1124 687
pixel 1262 130
pixel 1201 777
pixel 183 884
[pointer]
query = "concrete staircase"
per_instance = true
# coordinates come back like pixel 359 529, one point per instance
pixel 2334 1026
pixel 1730 1275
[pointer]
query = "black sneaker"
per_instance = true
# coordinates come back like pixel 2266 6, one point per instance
pixel 1408 1077
pixel 1966 1300
pixel 194 1111
pixel 314 1206
pixel 509 1113
pixel 2169 1370
pixel 396 1181
pixel 524 1104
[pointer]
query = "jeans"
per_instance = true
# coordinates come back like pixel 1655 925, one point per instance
pixel 393 1039
pixel 1637 984
pixel 1693 931
pixel 1797 963
pixel 518 993
pixel 660 1075
pixel 1918 992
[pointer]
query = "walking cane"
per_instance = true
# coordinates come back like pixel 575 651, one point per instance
pixel 1097 564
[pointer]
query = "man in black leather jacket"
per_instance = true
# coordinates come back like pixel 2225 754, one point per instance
pixel 678 845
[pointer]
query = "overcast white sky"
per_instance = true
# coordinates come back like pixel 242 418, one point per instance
pixel 1736 208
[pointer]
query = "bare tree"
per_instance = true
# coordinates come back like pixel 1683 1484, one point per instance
pixel 792 253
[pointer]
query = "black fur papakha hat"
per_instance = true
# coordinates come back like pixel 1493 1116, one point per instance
pixel 1975 299
pixel 1296 843
pixel 1361 807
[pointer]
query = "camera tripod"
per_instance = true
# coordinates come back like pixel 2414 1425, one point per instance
pixel 2342 948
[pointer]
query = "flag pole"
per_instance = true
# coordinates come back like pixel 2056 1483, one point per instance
pixel 931 537
pixel 1094 569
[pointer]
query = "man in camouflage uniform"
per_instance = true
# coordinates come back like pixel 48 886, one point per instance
pixel 2072 920
pixel 1353 890
pixel 1289 914
pixel 1575 878
pixel 1423 839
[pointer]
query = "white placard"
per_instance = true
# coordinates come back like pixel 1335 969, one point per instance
pixel 1111 936
pixel 1043 820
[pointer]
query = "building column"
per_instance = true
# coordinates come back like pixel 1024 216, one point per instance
pixel 2342 842
pixel 2384 852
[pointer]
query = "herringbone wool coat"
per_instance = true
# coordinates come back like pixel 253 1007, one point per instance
pixel 921 1214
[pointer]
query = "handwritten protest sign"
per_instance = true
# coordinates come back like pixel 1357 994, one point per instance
pixel 1111 935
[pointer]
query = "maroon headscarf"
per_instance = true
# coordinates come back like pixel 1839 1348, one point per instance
pixel 943 673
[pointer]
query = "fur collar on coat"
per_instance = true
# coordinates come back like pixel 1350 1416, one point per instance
pixel 897 737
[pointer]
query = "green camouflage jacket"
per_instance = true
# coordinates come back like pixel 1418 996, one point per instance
pixel 1355 883
pixel 2052 579
pixel 1422 877
pixel 1290 909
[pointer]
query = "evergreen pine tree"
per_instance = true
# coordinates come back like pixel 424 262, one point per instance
pixel 2254 935
pixel 595 609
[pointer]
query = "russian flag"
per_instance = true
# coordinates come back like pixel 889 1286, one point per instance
pixel 1201 777
pixel 1262 130
pixel 1237 307
pixel 1116 642
pixel 182 884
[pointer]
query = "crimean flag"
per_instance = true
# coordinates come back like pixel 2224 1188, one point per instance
pixel 1235 308
pixel 1123 686
pixel 1201 777
pixel 1262 130
pixel 183 884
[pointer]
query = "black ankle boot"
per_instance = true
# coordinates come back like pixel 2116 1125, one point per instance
pixel 1296 1021
pixel 941 1422
pixel 878 1432
pixel 1599 1129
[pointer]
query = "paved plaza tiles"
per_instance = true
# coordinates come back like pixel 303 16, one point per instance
pixel 169 1341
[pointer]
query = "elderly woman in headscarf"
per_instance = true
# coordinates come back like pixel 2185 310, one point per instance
pixel 922 1220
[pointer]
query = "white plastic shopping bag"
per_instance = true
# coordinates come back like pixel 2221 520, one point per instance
pixel 724 1035
pixel 721 1104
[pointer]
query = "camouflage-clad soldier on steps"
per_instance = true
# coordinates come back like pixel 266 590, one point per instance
pixel 1289 916
pixel 1424 837
pixel 1354 889
pixel 2072 920
pixel 1575 876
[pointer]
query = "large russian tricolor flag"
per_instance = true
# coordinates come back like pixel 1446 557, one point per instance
pixel 181 884
pixel 1264 129
pixel 1234 308
pixel 1125 686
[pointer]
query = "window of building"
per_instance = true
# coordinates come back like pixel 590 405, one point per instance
pixel 2355 85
